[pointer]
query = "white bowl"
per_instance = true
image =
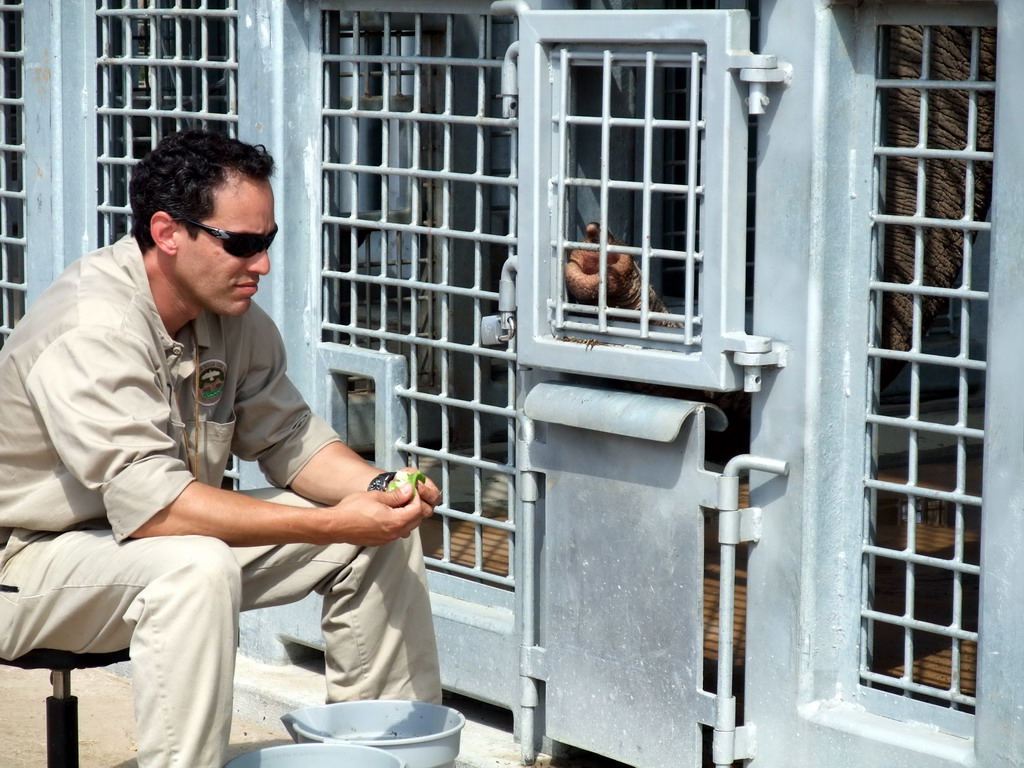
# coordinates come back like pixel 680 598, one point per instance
pixel 317 756
pixel 422 734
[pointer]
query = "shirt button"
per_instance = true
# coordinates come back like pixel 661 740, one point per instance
pixel 176 350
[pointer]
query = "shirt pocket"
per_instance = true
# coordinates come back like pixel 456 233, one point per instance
pixel 213 448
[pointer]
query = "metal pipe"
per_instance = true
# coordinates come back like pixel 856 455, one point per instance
pixel 509 7
pixel 749 462
pixel 507 297
pixel 510 82
pixel 528 495
pixel 723 745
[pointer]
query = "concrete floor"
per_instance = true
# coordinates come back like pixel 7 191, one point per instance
pixel 105 723
pixel 262 694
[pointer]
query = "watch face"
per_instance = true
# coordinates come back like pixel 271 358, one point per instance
pixel 380 482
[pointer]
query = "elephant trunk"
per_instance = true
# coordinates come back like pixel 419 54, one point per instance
pixel 623 279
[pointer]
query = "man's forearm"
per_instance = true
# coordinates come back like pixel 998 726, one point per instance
pixel 364 518
pixel 235 518
pixel 334 472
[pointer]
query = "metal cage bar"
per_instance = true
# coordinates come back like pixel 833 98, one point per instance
pixel 919 607
pixel 641 316
pixel 417 181
pixel 13 285
pixel 160 68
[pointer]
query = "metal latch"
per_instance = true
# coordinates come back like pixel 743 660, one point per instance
pixel 493 332
pixel 510 82
pixel 500 329
pixel 753 353
pixel 758 70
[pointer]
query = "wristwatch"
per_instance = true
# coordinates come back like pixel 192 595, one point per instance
pixel 380 482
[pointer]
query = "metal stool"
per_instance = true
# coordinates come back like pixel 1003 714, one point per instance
pixel 62 707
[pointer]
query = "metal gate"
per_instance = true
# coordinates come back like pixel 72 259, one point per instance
pixel 893 655
pixel 636 122
pixel 418 219
pixel 540 253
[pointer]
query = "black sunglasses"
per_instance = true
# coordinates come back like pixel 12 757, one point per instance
pixel 240 244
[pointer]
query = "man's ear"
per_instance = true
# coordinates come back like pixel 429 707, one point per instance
pixel 165 232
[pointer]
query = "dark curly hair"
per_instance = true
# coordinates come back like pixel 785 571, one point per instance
pixel 181 173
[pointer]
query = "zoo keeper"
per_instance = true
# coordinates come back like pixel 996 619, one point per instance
pixel 125 389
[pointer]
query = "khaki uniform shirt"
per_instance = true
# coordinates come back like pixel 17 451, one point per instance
pixel 97 400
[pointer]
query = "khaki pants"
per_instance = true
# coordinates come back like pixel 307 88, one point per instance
pixel 174 601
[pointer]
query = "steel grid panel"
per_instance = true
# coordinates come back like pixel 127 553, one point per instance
pixel 161 66
pixel 689 194
pixel 13 286
pixel 923 425
pixel 418 216
pixel 637 230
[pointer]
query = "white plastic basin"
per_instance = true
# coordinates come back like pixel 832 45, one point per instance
pixel 423 735
pixel 317 756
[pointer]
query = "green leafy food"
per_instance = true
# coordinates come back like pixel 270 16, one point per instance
pixel 413 478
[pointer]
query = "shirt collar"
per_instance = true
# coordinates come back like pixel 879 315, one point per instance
pixel 202 326
pixel 128 256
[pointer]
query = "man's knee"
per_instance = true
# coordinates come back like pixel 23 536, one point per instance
pixel 200 562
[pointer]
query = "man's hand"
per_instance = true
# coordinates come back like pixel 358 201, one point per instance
pixel 423 487
pixel 375 518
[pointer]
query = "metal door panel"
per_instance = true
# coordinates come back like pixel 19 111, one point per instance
pixel 622 575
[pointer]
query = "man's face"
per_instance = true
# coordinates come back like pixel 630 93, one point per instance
pixel 210 277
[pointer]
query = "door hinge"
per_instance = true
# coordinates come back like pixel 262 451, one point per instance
pixel 533 662
pixel 754 353
pixel 738 744
pixel 739 525
pixel 758 70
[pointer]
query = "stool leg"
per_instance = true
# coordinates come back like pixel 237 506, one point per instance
pixel 61 722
